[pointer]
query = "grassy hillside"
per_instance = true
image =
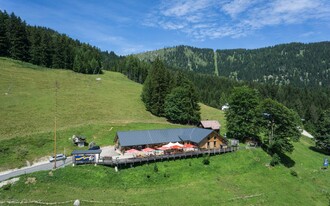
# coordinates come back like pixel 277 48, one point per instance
pixel 96 109
pixel 29 106
pixel 240 178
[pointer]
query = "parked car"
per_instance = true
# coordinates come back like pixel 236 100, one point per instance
pixel 58 157
pixel 94 148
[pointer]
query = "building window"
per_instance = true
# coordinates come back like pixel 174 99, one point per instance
pixel 215 144
pixel 208 144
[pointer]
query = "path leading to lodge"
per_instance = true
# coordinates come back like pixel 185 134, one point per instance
pixel 46 165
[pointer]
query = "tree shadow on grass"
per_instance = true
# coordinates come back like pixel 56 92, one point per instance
pixel 315 149
pixel 286 160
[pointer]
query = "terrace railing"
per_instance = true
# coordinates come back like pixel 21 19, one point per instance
pixel 155 158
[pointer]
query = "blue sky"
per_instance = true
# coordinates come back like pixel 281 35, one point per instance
pixel 133 26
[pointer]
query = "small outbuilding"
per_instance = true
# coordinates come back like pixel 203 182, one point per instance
pixel 86 156
pixel 80 141
pixel 210 124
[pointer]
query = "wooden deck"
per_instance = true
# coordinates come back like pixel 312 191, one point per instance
pixel 129 162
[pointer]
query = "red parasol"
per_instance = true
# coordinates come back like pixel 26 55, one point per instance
pixel 132 151
pixel 148 149
pixel 189 146
pixel 163 148
pixel 176 147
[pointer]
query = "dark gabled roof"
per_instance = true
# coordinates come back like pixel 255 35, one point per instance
pixel 144 137
pixel 81 152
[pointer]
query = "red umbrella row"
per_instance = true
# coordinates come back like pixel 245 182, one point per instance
pixel 164 147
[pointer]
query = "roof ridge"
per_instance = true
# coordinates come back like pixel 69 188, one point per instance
pixel 151 140
pixel 191 133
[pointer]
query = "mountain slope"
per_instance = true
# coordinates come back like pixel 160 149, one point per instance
pixel 183 57
pixel 295 63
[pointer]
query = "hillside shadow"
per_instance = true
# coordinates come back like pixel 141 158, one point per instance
pixel 286 160
pixel 318 150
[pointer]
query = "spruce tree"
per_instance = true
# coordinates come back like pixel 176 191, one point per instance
pixel 4 41
pixel 322 137
pixel 156 87
pixel 19 43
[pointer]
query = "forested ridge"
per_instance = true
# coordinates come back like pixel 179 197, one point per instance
pixel 183 57
pixel 46 47
pixel 295 64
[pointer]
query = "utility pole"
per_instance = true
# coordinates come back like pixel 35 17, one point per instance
pixel 271 120
pixel 272 135
pixel 55 121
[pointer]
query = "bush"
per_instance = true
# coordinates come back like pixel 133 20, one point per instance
pixel 6 187
pixel 293 173
pixel 275 160
pixel 155 168
pixel 206 160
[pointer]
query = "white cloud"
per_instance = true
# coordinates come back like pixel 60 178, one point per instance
pixel 236 7
pixel 308 34
pixel 209 19
pixel 294 6
pixel 183 8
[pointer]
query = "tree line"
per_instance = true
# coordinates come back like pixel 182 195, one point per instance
pixel 46 47
pixel 309 103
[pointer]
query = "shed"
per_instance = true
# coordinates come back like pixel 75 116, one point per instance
pixel 85 156
pixel 210 124
pixel 80 141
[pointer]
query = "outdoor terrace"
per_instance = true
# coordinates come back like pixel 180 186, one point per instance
pixel 124 162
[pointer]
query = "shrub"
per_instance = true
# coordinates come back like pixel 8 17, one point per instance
pixel 293 173
pixel 155 168
pixel 6 187
pixel 275 160
pixel 206 160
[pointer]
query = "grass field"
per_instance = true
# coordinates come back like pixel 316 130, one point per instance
pixel 240 178
pixel 85 106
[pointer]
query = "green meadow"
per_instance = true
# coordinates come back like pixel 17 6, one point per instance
pixel 239 178
pixel 84 105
